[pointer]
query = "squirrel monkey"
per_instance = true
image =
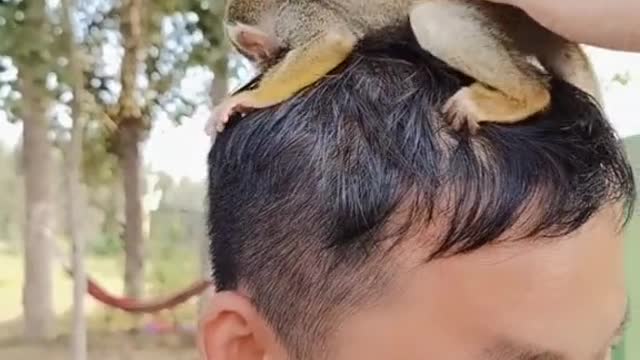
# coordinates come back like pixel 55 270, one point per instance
pixel 488 42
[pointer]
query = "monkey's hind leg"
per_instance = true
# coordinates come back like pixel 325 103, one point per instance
pixel 508 88
pixel 300 68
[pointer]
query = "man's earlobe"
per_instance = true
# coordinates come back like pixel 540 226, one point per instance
pixel 231 329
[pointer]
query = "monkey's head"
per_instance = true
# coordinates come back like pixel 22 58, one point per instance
pixel 250 27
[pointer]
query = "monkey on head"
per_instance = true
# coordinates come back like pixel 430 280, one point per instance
pixel 488 42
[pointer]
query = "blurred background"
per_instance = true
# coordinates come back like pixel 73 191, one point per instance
pixel 102 110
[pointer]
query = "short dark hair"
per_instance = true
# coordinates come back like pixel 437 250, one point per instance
pixel 299 194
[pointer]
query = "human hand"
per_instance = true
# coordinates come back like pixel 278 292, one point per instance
pixel 605 23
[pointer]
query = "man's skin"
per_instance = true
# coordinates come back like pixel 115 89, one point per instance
pixel 563 299
pixel 609 24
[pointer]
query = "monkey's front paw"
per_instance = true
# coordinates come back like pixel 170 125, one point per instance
pixel 461 111
pixel 222 113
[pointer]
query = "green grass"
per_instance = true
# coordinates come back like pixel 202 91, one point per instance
pixel 161 279
pixel 11 276
pixel 632 338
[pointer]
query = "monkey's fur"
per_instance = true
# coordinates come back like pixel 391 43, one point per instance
pixel 488 42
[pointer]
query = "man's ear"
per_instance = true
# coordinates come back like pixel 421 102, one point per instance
pixel 231 329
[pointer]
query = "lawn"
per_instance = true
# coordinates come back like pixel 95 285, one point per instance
pixel 632 341
pixel 104 269
pixel 109 335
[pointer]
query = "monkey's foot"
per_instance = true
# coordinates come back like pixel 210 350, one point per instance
pixel 461 111
pixel 222 113
pixel 477 103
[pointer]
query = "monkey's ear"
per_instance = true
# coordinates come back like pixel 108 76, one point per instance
pixel 253 42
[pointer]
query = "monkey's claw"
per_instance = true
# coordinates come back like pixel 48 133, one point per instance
pixel 222 113
pixel 461 111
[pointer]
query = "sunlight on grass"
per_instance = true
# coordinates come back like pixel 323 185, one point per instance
pixel 103 269
pixel 164 276
pixel 632 252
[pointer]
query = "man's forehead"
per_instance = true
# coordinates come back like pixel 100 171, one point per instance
pixel 541 297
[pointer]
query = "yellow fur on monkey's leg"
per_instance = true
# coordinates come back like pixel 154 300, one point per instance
pixel 478 103
pixel 508 88
pixel 300 68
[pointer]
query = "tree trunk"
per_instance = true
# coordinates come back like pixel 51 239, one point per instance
pixel 130 164
pixel 75 192
pixel 131 125
pixel 75 202
pixel 38 242
pixel 133 58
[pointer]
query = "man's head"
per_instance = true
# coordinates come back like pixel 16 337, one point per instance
pixel 351 223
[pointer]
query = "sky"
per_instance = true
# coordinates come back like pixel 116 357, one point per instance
pixel 181 150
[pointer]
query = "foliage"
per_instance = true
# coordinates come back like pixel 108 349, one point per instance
pixel 172 268
pixel 632 146
pixel 30 40
pixel 622 78
pixel 183 37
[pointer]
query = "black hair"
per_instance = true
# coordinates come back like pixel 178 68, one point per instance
pixel 300 194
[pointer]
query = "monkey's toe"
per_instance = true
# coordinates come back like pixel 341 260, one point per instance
pixel 238 104
pixel 221 115
pixel 461 112
pixel 460 122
